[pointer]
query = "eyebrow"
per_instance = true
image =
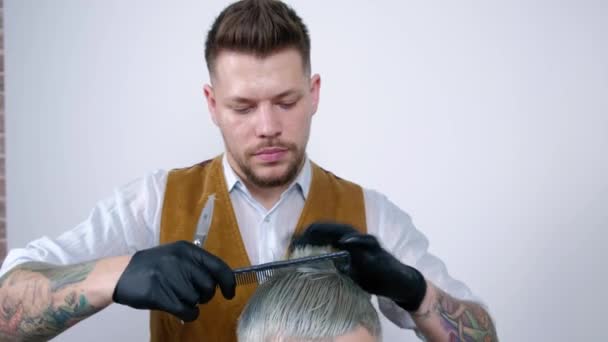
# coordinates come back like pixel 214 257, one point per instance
pixel 239 99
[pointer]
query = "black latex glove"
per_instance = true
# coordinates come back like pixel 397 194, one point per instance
pixel 173 278
pixel 374 269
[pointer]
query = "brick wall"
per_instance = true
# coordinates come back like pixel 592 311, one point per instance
pixel 2 150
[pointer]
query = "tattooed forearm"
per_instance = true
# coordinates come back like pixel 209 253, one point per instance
pixel 462 321
pixel 59 276
pixel 39 301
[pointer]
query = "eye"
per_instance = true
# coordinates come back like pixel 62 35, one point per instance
pixel 243 110
pixel 287 105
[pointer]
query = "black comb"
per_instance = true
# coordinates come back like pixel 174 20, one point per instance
pixel 260 273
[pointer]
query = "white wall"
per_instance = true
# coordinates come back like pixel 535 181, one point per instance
pixel 486 121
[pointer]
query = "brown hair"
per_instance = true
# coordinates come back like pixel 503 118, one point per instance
pixel 259 27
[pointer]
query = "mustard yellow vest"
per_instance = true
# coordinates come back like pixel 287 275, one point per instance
pixel 329 199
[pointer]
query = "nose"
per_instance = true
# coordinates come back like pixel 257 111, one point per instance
pixel 269 122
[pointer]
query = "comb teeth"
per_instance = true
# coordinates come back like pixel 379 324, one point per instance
pixel 253 277
pixel 246 278
pixel 259 274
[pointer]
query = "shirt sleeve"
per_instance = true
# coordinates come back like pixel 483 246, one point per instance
pixel 397 234
pixel 121 224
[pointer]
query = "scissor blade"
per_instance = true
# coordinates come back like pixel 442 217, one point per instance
pixel 204 221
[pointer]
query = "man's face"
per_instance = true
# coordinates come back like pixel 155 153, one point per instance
pixel 358 335
pixel 264 108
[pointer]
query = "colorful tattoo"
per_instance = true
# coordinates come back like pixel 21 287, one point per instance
pixel 38 303
pixel 464 321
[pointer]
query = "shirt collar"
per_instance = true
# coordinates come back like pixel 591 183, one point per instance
pixel 303 179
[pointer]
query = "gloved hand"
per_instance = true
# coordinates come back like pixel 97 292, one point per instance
pixel 374 269
pixel 173 278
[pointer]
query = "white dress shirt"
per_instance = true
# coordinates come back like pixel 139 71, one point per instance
pixel 130 220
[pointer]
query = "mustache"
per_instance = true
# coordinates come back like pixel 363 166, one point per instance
pixel 272 143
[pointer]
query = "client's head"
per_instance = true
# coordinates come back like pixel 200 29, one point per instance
pixel 311 303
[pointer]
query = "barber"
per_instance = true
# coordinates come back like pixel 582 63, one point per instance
pixel 134 248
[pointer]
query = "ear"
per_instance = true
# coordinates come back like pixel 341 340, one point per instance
pixel 211 103
pixel 315 88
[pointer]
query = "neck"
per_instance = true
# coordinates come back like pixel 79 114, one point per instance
pixel 268 197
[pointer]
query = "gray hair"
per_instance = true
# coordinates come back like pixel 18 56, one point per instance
pixel 310 303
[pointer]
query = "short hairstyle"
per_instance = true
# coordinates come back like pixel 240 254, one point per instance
pixel 310 303
pixel 259 27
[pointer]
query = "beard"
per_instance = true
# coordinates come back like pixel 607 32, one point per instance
pixel 295 159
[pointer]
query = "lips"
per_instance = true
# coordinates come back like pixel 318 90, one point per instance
pixel 271 154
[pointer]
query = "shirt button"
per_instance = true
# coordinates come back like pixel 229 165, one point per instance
pixel 266 219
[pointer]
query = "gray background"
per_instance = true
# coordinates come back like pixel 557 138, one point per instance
pixel 487 121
